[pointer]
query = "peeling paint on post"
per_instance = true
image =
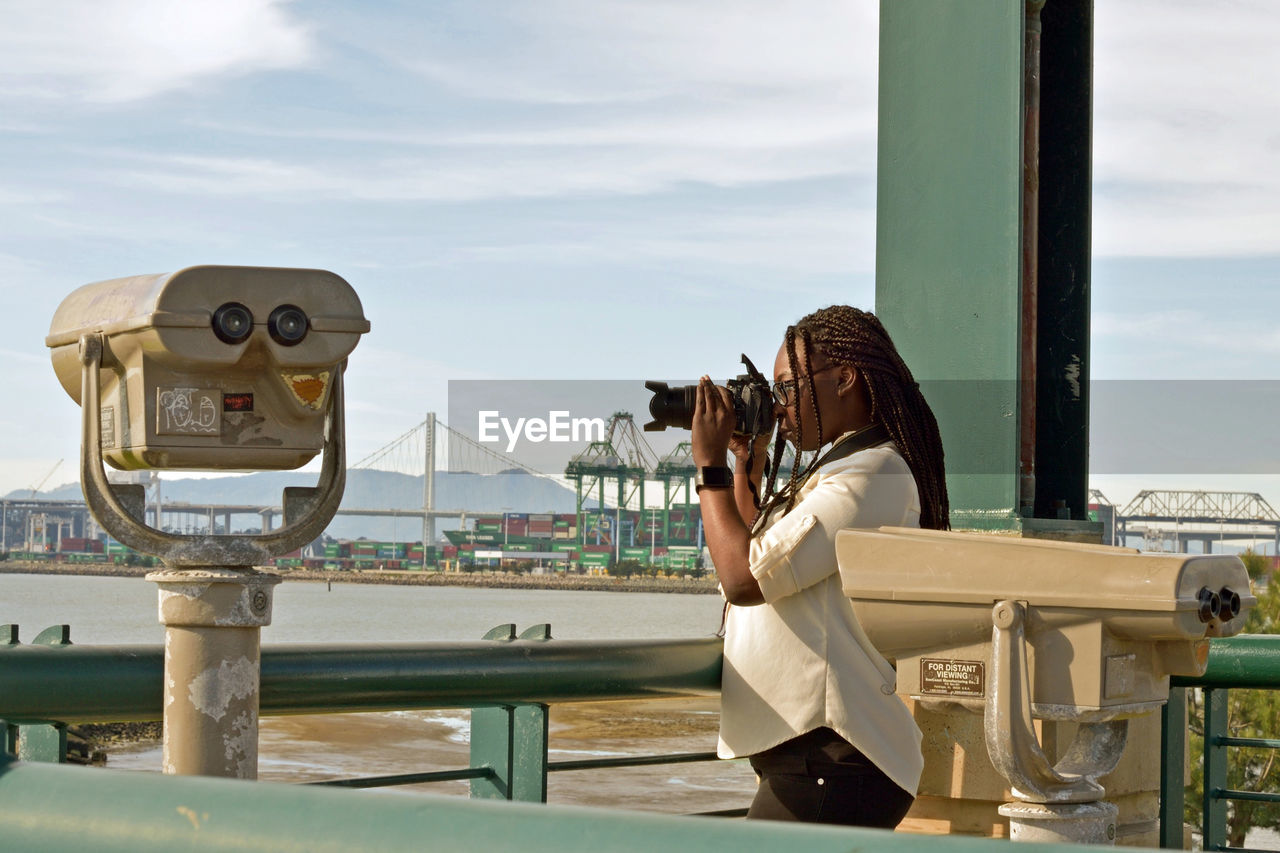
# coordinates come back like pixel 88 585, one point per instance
pixel 213 619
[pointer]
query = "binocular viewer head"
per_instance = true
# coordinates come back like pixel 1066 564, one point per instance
pixel 1104 627
pixel 210 367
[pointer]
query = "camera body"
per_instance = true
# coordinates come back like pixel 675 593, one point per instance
pixel 749 392
pixel 211 367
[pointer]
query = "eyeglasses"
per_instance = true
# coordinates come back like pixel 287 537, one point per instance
pixel 785 390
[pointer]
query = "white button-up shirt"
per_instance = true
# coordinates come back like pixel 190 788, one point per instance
pixel 800 661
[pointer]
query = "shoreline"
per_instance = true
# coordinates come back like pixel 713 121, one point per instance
pixel 482 580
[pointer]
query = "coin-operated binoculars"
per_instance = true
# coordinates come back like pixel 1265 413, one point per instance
pixel 1018 629
pixel 210 368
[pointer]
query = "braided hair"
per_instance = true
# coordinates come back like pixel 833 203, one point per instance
pixel 847 335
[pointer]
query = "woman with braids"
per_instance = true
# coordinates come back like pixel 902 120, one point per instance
pixel 804 694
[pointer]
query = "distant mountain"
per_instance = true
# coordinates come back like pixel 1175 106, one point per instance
pixel 513 490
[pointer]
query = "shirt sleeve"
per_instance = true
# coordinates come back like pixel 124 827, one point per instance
pixel 868 489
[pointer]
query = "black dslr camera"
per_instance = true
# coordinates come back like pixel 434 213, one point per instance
pixel 750 393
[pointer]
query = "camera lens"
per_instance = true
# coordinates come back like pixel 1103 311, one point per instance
pixel 233 323
pixel 288 325
pixel 670 407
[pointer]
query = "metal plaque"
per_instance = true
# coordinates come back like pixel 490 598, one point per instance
pixel 942 677
pixel 108 419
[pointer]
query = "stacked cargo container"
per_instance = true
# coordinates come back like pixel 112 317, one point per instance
pixel 80 545
pixel 541 525
pixel 564 526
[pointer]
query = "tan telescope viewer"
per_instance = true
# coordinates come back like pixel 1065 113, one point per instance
pixel 211 367
pixel 1017 629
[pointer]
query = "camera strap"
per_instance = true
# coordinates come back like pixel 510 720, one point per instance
pixel 851 443
pixel 859 439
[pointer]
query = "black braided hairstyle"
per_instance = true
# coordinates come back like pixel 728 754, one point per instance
pixel 847 335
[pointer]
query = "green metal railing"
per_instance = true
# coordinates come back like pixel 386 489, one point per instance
pixel 1242 662
pixel 508 681
pixel 47 807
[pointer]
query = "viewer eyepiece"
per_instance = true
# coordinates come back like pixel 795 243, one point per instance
pixel 288 325
pixel 232 323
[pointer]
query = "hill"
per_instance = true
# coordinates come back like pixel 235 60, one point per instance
pixel 513 490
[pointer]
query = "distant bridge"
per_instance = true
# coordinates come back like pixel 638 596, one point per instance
pixel 1172 519
pixel 428 446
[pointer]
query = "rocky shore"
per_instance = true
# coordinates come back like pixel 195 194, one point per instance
pixel 488 580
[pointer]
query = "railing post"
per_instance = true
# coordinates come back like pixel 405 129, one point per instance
pixel 1214 827
pixel 46 742
pixel 1173 750
pixel 511 740
pixel 8 733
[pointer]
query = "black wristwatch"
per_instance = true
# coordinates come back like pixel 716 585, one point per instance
pixel 713 477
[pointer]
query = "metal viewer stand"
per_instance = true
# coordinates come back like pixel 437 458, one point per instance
pixel 213 602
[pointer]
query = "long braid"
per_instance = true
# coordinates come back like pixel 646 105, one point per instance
pixel 847 335
pixel 788 492
pixel 790 488
pixel 813 388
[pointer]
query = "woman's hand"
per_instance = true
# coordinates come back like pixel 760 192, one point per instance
pixel 713 422
pixel 727 534
pixel 740 447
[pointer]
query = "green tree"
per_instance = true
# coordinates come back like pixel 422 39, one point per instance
pixel 1255 564
pixel 1250 714
pixel 625 568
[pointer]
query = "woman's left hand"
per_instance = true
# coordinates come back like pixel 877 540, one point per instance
pixel 713 423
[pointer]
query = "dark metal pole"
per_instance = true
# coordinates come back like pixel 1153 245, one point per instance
pixel 1030 260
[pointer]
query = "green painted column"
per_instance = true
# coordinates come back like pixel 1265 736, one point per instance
pixel 950 239
pixel 948 230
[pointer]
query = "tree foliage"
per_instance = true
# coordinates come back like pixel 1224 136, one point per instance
pixel 1250 714
pixel 1255 564
pixel 625 568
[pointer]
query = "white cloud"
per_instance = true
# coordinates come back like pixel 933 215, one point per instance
pixel 125 50
pixel 1186 128
pixel 1183 344
pixel 619 51
pixel 470 175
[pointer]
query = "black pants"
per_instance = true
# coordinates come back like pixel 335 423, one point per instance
pixel 819 777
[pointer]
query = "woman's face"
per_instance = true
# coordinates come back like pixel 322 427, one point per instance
pixel 839 396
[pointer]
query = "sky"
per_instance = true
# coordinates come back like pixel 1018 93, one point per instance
pixel 564 189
